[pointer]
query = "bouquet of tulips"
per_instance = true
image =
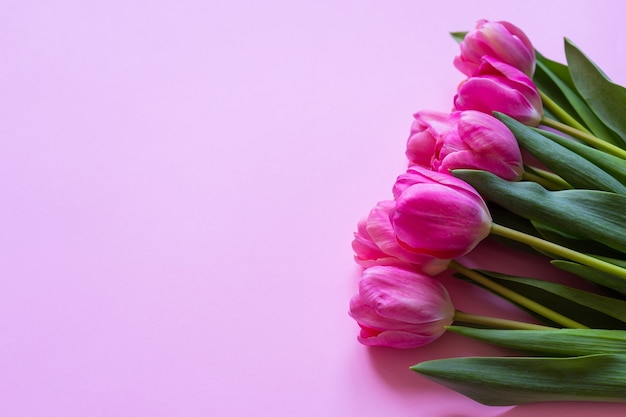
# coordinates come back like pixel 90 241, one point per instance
pixel 533 154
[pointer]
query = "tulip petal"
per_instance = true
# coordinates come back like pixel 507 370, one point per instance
pixel 397 339
pixel 426 128
pixel 487 95
pixel 399 307
pixel 501 40
pixel 439 221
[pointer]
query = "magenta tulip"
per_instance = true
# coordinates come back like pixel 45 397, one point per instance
pixel 479 141
pixel 496 86
pixel 437 214
pixel 375 243
pixel 427 128
pixel 398 307
pixel 500 40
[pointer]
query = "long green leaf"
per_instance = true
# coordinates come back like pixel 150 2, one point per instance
pixel 510 381
pixel 610 164
pixel 591 214
pixel 561 342
pixel 572 167
pixel 592 310
pixel 607 99
pixel 557 70
pixel 592 275
pixel 564 93
pixel 581 245
pixel 546 81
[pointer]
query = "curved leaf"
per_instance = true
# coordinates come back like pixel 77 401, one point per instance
pixel 509 381
pixel 562 342
pixel 548 83
pixel 610 164
pixel 572 167
pixel 591 214
pixel 587 246
pixel 605 98
pixel 592 310
pixel 592 275
pixel 560 88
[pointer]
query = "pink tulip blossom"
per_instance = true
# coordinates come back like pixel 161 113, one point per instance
pixel 437 214
pixel 398 307
pixel 479 141
pixel 375 243
pixel 500 40
pixel 496 86
pixel 426 129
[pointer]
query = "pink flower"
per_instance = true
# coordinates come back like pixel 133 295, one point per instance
pixel 375 244
pixel 496 86
pixel 426 129
pixel 400 308
pixel 437 214
pixel 479 141
pixel 500 40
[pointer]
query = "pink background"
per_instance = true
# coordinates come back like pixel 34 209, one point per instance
pixel 179 184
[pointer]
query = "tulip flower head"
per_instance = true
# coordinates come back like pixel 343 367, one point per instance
pixel 427 128
pixel 398 307
pixel 500 40
pixel 479 141
pixel 375 243
pixel 496 86
pixel 437 214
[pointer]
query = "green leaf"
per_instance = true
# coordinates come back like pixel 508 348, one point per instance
pixel 581 245
pixel 605 98
pixel 554 79
pixel 510 381
pixel 556 70
pixel 592 310
pixel 572 167
pixel 610 164
pixel 561 342
pixel 458 36
pixel 592 275
pixel 590 214
pixel 555 88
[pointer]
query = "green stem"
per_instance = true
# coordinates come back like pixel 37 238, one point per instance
pixel 558 111
pixel 585 137
pixel 558 250
pixel 515 297
pixel 497 323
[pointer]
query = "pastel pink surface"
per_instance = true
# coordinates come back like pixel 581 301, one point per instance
pixel 180 182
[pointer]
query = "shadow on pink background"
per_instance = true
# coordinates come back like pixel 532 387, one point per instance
pixel 179 185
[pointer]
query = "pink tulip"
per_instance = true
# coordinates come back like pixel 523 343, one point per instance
pixel 496 86
pixel 375 243
pixel 500 40
pixel 426 129
pixel 479 141
pixel 437 214
pixel 398 307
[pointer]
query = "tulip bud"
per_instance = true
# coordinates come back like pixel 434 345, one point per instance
pixel 398 307
pixel 496 86
pixel 375 244
pixel 426 129
pixel 438 214
pixel 500 40
pixel 479 141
